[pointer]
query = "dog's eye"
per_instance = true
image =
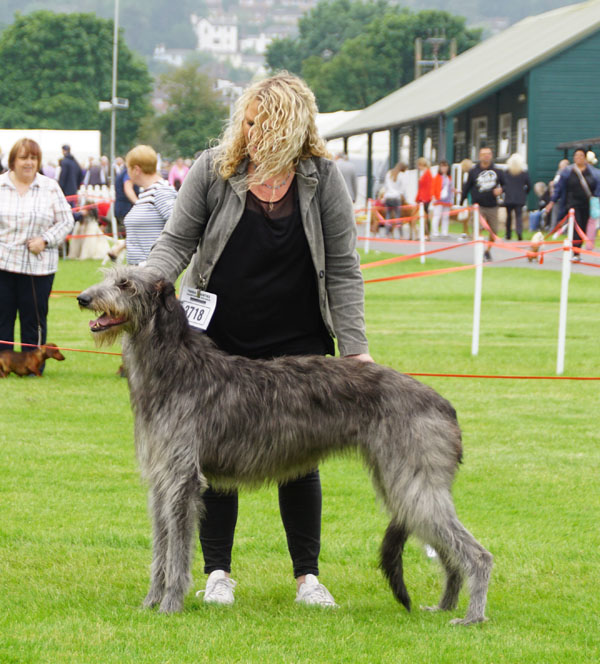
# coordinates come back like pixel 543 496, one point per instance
pixel 123 284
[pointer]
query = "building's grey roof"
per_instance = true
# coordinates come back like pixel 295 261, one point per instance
pixel 480 70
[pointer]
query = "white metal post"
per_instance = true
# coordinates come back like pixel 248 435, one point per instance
pixel 478 259
pixel 113 113
pixel 422 231
pixel 564 295
pixel 368 225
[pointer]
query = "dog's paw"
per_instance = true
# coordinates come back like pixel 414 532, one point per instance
pixel 152 599
pixel 468 621
pixel 171 603
pixel 432 609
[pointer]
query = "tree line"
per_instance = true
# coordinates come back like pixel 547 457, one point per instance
pixel 55 68
pixel 353 53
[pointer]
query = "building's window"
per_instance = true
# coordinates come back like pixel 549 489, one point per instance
pixel 478 136
pixel 428 150
pixel 522 137
pixel 504 135
pixel 404 152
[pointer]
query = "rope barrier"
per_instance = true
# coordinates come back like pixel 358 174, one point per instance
pixel 408 373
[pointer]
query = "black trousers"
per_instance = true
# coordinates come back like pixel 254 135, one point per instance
pixel 582 216
pixel 17 297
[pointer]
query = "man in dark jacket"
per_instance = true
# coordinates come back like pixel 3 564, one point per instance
pixel 485 183
pixel 70 178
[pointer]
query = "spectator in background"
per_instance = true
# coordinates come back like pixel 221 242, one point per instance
pixel 560 210
pixel 126 194
pixel 70 178
pixel 94 174
pixel 442 195
pixel 424 191
pixel 578 184
pixel 539 219
pixel 2 161
pixel 118 167
pixel 49 170
pixel 147 217
pixel 394 193
pixel 485 184
pixel 177 173
pixel 516 187
pixel 34 219
pixel 105 166
pixel 348 173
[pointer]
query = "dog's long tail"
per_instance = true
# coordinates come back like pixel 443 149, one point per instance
pixel 392 548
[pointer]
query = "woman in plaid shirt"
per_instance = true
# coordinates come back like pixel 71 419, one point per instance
pixel 34 219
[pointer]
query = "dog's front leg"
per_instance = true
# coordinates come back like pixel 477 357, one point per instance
pixel 159 549
pixel 181 514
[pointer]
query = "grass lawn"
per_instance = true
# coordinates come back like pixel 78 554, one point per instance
pixel 75 534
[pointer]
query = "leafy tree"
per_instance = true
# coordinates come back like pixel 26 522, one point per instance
pixel 354 71
pixel 194 116
pixel 323 30
pixel 55 68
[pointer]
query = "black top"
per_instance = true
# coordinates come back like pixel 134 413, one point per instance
pixel 576 194
pixel 481 184
pixel 71 175
pixel 516 188
pixel 267 296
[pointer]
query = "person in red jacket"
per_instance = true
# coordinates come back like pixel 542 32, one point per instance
pixel 424 191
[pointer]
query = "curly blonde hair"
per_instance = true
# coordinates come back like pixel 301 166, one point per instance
pixel 284 130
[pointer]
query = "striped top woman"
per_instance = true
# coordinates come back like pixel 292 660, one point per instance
pixel 146 219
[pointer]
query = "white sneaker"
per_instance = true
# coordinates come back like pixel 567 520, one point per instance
pixel 314 593
pixel 219 588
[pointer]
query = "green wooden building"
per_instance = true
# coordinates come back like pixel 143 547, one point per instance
pixel 528 89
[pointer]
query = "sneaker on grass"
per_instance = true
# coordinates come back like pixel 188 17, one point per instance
pixel 219 589
pixel 314 593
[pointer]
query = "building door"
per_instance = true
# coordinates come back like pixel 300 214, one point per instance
pixel 478 136
pixel 522 138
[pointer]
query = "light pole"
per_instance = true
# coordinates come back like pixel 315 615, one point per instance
pixel 113 111
pixel 112 106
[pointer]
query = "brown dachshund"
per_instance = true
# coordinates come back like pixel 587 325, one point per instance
pixel 27 362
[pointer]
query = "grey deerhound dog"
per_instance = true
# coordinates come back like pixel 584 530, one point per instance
pixel 203 415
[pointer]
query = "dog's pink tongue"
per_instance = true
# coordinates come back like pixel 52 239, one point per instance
pixel 101 322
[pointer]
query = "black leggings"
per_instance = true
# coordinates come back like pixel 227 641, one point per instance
pixel 300 508
pixel 518 210
pixel 300 503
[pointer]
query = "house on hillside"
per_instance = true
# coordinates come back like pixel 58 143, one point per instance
pixel 528 89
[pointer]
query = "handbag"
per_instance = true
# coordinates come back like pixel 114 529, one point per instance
pixel 594 201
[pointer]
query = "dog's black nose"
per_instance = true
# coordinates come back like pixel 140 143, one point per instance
pixel 84 300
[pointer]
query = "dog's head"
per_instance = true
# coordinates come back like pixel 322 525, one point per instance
pixel 128 299
pixel 51 350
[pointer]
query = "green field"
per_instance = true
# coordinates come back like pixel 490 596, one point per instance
pixel 75 534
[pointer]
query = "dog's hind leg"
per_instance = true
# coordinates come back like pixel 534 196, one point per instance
pixel 454 581
pixel 392 548
pixel 159 550
pixel 181 508
pixel 458 550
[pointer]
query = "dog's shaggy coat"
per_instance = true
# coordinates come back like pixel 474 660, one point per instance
pixel 202 415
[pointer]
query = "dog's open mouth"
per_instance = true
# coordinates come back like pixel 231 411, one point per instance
pixel 105 322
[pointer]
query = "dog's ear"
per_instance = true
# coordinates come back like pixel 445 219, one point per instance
pixel 165 290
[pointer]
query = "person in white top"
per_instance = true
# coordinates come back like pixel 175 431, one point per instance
pixel 148 216
pixel 394 196
pixel 34 219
